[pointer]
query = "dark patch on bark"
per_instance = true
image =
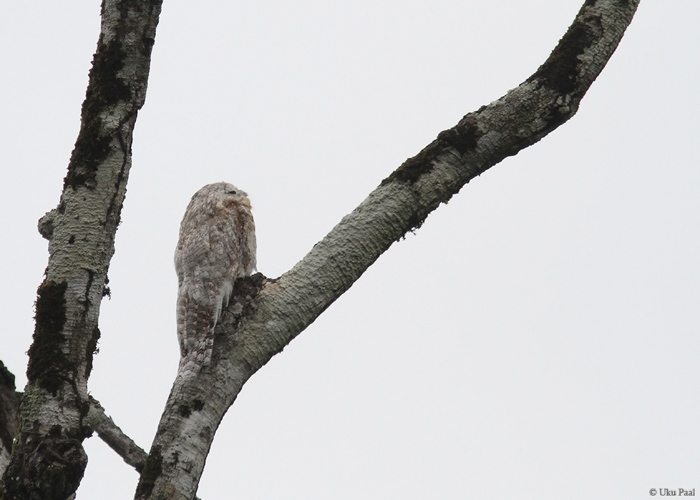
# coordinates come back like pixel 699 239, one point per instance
pixel 151 472
pixel 413 168
pixel 463 137
pixel 90 350
pixel 90 150
pixel 106 292
pixel 560 71
pixel 241 304
pixel 105 89
pixel 51 469
pixel 148 43
pixel 48 366
pixel 9 407
pixel 125 7
pixel 245 290
pixel 184 411
pixel 7 378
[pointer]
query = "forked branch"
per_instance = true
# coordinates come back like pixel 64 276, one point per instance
pixel 265 316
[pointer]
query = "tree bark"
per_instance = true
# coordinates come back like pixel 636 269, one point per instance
pixel 9 414
pixel 49 461
pixel 113 436
pixel 266 315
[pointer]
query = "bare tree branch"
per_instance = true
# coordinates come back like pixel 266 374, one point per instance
pixel 111 434
pixel 49 461
pixel 260 324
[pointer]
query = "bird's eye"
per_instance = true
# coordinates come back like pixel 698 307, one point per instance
pixel 232 191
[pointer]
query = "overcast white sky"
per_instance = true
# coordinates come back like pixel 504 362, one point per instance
pixel 536 339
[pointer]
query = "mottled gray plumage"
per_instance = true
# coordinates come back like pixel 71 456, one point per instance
pixel 216 246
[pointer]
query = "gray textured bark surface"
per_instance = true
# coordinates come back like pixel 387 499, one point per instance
pixel 49 460
pixel 264 315
pixel 9 414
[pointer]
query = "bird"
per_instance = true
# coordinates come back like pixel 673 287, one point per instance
pixel 216 246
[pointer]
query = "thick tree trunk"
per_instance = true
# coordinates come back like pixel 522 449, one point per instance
pixel 260 324
pixel 49 461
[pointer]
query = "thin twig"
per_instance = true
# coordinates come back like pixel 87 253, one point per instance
pixel 111 434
